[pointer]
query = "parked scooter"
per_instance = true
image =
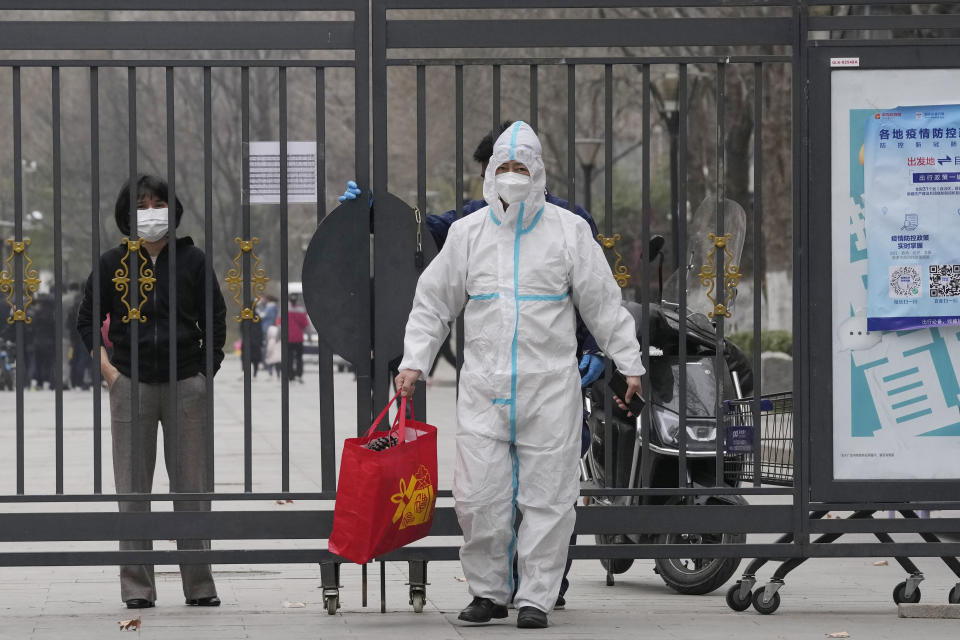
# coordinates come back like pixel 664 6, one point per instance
pixel 689 576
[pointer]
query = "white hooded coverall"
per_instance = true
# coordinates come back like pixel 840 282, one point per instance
pixel 519 274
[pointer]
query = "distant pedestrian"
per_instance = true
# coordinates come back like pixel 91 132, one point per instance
pixel 273 351
pixel 80 359
pixel 40 338
pixel 268 316
pixel 297 322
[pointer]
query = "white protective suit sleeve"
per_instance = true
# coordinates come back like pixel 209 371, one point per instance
pixel 597 296
pixel 440 297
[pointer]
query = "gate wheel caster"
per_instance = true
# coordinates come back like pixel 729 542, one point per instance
pixel 768 607
pixel 954 597
pixel 899 594
pixel 418 599
pixel 735 601
pixel 332 603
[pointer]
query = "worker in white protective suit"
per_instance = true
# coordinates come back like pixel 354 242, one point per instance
pixel 518 268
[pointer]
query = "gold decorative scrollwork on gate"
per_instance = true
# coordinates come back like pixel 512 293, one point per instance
pixel 145 280
pixel 731 276
pixel 258 279
pixel 620 272
pixel 31 280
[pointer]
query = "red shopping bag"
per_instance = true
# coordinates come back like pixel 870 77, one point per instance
pixel 385 499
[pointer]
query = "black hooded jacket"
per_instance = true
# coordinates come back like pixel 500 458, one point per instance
pixel 153 334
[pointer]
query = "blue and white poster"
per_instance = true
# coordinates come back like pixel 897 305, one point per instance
pixel 911 165
pixel 896 393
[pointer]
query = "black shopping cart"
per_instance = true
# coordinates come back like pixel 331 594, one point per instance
pixel 765 450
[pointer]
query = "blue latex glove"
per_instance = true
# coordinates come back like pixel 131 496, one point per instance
pixel 591 366
pixel 351 193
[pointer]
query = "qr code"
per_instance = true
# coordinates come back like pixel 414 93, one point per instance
pixel 944 280
pixel 905 281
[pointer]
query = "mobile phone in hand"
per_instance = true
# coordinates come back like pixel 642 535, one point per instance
pixel 618 384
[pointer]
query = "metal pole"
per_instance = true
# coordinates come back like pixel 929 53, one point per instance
pixel 673 128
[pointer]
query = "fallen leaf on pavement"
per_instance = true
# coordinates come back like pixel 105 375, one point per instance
pixel 284 501
pixel 838 634
pixel 130 625
pixel 293 605
pixel 880 563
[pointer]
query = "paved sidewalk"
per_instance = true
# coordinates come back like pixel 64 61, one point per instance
pixel 284 601
pixel 264 602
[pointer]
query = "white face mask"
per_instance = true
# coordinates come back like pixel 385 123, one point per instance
pixel 152 224
pixel 512 187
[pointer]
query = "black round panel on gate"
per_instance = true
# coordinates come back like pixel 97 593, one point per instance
pixel 334 279
pixel 396 270
pixel 334 276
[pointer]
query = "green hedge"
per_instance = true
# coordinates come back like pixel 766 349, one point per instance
pixel 774 340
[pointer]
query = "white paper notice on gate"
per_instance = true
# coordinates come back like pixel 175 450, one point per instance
pixel 265 172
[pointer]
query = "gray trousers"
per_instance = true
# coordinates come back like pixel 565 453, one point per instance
pixel 189 474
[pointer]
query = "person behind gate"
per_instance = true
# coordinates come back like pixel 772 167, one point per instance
pixel 185 427
pixel 517 269
pixel 591 360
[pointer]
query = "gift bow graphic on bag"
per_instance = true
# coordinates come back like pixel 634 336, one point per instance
pixel 415 500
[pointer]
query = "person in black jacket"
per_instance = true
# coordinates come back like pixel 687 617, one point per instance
pixel 185 426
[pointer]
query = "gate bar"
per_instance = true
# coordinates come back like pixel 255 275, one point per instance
pixel 758 259
pixel 184 5
pixel 133 62
pixel 58 288
pixel 571 134
pixel 721 262
pixel 496 97
pixel 801 322
pixel 458 163
pixel 419 400
pixel 534 97
pixel 285 288
pixel 245 217
pixel 647 210
pixel 208 279
pixel 18 260
pixel 172 289
pixel 681 243
pixel 586 4
pixel 246 233
pixel 443 493
pixel 51 35
pixel 328 444
pixel 604 32
pixel 607 151
pixel 136 462
pixel 422 144
pixel 95 275
pixel 631 60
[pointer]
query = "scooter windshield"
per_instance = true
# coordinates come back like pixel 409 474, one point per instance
pixel 702 255
pixel 701 384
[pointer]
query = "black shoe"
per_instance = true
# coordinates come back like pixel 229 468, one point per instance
pixel 531 618
pixel 561 603
pixel 212 601
pixel 482 609
pixel 138 603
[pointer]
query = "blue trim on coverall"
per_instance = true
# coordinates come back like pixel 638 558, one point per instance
pixel 513 384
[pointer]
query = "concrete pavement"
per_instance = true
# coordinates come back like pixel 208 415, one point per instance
pixel 284 601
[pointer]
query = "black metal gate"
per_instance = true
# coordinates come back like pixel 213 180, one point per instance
pixel 689 101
